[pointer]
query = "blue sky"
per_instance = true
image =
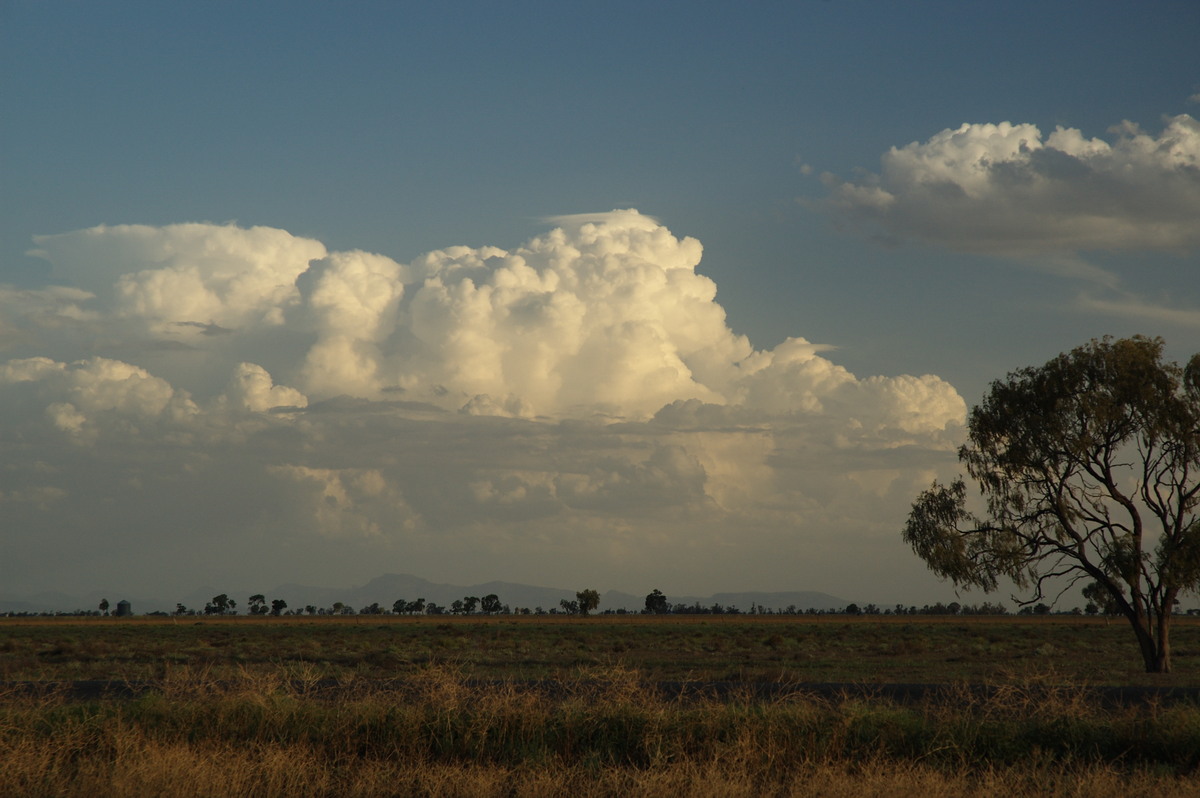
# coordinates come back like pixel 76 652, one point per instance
pixel 761 130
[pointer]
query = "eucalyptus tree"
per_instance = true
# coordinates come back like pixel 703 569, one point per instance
pixel 221 604
pixel 1088 469
pixel 588 600
pixel 656 602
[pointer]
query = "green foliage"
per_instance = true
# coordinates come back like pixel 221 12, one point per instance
pixel 656 602
pixel 221 604
pixel 588 600
pixel 1089 467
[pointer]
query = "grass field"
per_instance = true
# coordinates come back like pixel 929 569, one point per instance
pixel 232 709
pixel 828 648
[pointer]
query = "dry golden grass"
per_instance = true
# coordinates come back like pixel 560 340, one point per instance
pixel 139 767
pixel 605 734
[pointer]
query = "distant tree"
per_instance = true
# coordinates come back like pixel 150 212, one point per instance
pixel 278 606
pixel 984 608
pixel 588 600
pixel 181 610
pixel 415 607
pixel 104 606
pixel 569 607
pixel 371 609
pixel 457 607
pixel 1089 468
pixel 311 609
pixel 257 604
pixel 221 604
pixel 470 603
pixel 853 609
pixel 1100 599
pixel 338 607
pixel 656 602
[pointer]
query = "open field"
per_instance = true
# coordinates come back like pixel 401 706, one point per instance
pixel 827 648
pixel 234 709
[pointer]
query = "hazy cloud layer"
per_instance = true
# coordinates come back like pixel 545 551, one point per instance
pixel 209 402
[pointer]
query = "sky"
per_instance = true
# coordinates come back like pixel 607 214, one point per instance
pixel 678 295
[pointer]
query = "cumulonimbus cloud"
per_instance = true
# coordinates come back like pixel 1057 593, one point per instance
pixel 605 314
pixel 1007 189
pixel 581 395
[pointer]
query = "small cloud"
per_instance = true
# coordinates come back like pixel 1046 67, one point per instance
pixel 613 217
pixel 251 388
pixel 205 329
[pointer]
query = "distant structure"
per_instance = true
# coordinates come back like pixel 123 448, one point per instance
pixel 124 608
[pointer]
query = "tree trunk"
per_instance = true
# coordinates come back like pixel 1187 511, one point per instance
pixel 1155 648
pixel 1163 652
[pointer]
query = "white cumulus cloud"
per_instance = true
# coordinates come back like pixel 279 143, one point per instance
pixel 578 400
pixel 1009 189
pixel 202 273
pixel 605 314
pixel 251 388
pixel 82 397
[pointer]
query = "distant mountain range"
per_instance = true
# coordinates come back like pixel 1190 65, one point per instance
pixel 386 589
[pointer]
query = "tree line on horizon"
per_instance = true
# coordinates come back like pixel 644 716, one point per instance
pixel 586 601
